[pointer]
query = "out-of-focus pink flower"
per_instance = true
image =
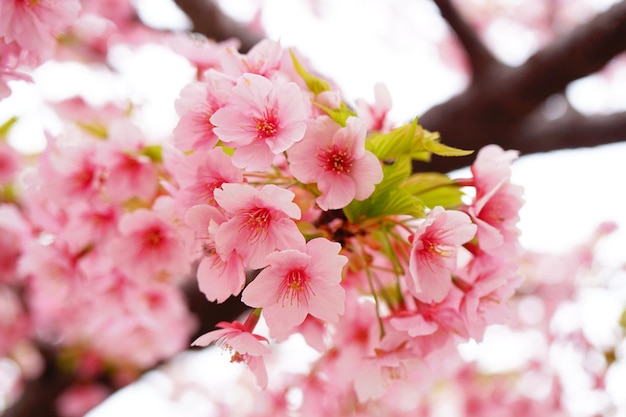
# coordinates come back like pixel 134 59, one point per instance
pixel 6 75
pixel 33 24
pixel 71 174
pixel 202 52
pixel 200 174
pixel 9 163
pixel 77 400
pixel 263 59
pixel 495 209
pixel 149 245
pixel 15 232
pixel 130 174
pixel 135 323
pixel 484 300
pixel 434 253
pixel 263 119
pixel 375 115
pixel 244 346
pixel 14 323
pixel 335 158
pixel 260 222
pixel 297 283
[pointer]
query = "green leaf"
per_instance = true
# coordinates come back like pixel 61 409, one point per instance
pixel 410 139
pixel 6 126
pixel 393 144
pixel 433 189
pixel 386 203
pixel 315 85
pixel 338 115
pixel 388 199
pixel 432 144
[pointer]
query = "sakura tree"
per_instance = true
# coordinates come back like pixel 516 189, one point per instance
pixel 276 208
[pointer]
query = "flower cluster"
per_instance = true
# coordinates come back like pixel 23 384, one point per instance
pixel 272 189
pixel 283 183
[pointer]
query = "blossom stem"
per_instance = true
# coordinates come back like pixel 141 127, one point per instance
pixel 464 182
pixel 370 281
pixel 252 319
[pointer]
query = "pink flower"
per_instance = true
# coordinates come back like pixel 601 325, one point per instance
pixel 335 158
pixel 71 173
pixel 484 300
pixel 244 345
pixel 263 119
pixel 260 222
pixel 434 252
pixel 495 210
pixel 203 53
pixel 375 116
pixel 218 278
pixel 14 322
pixel 297 283
pixel 263 59
pixel 130 173
pixel 149 245
pixel 9 163
pixel 200 174
pixel 195 106
pixel 79 399
pixel 33 24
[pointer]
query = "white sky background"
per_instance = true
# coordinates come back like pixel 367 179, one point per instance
pixel 357 50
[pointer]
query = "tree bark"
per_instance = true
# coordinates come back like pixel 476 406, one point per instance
pixel 502 105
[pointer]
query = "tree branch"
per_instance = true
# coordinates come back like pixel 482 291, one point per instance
pixel 572 131
pixel 208 19
pixel 479 56
pixel 495 109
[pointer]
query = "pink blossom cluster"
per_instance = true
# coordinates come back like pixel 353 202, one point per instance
pixel 269 169
pixel 273 189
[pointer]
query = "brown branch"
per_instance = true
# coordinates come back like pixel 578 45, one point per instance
pixel 208 19
pixel 480 57
pixel 495 109
pixel 572 131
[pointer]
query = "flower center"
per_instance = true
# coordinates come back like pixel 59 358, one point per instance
pixel 335 159
pixel 295 286
pixel 267 125
pixel 256 222
pixel 154 237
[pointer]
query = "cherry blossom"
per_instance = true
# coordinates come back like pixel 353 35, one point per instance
pixel 497 203
pixel 149 245
pixel 376 115
pixel 297 283
pixel 198 101
pixel 264 59
pixel 244 346
pixel 434 253
pixel 33 24
pixel 260 222
pixel 218 278
pixel 198 175
pixel 335 158
pixel 262 119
